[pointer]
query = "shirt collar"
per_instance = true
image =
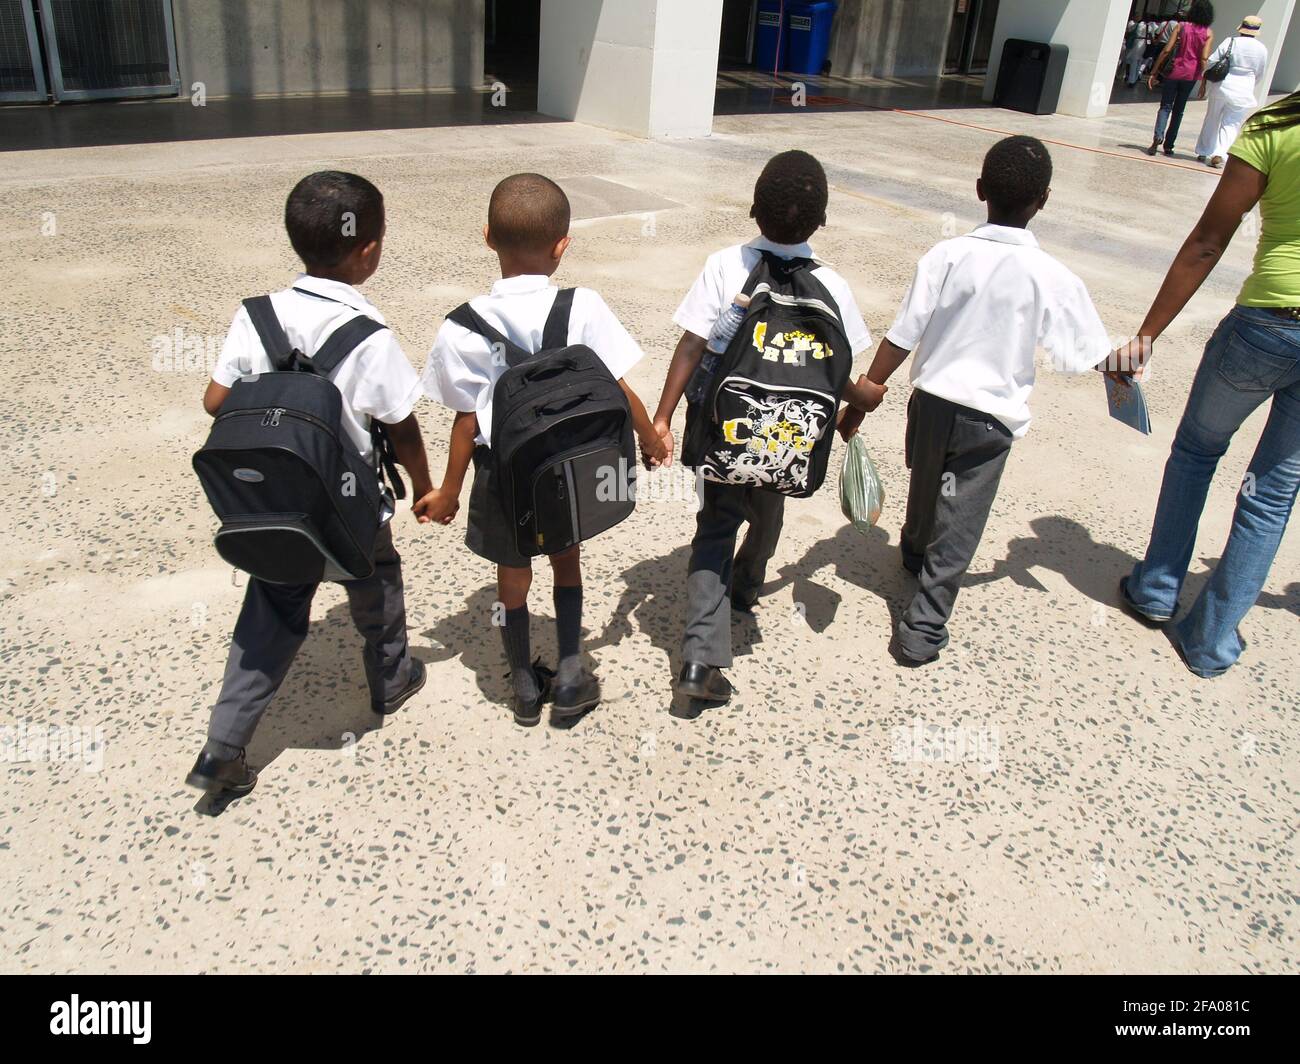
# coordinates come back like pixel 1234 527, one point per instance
pixel 524 282
pixel 785 251
pixel 337 290
pixel 1005 234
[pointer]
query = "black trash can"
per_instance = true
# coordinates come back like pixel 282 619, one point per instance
pixel 1030 76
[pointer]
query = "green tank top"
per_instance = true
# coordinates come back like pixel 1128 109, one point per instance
pixel 1275 281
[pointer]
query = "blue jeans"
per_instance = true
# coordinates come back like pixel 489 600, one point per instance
pixel 1173 102
pixel 1253 356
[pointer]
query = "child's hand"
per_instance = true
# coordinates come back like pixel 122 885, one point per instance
pixel 438 505
pixel 656 450
pixel 875 393
pixel 664 436
pixel 850 420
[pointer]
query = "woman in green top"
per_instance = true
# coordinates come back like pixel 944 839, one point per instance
pixel 1252 358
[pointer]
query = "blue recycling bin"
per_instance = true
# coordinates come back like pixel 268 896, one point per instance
pixel 808 26
pixel 771 41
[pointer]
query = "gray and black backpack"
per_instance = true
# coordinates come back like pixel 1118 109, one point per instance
pixel 297 502
pixel 562 436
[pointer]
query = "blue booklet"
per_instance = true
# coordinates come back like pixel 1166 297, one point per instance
pixel 1129 405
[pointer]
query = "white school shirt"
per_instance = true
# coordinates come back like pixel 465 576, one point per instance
pixel 725 273
pixel 461 371
pixel 376 380
pixel 979 308
pixel 1249 61
pixel 1139 40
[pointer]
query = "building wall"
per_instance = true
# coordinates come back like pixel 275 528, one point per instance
pixel 1286 76
pixel 274 47
pixel 890 38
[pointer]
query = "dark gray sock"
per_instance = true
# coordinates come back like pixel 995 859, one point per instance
pixel 568 632
pixel 222 750
pixel 514 634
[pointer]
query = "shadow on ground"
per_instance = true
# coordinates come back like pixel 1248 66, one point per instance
pixel 323 704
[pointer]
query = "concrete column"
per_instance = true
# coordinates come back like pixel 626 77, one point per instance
pixel 891 38
pixel 647 67
pixel 1093 30
pixel 1277 15
pixel 1286 74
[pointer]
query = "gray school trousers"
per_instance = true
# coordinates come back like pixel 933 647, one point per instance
pixel 273 624
pixel 956 456
pixel 714 573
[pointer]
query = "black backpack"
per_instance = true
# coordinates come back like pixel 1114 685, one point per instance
pixel 767 417
pixel 297 502
pixel 562 444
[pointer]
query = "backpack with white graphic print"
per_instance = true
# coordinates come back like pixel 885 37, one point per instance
pixel 767 417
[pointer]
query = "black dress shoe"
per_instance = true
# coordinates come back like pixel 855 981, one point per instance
pixel 213 774
pixel 528 711
pixel 744 601
pixel 704 682
pixel 1155 147
pixel 418 675
pixel 906 660
pixel 575 699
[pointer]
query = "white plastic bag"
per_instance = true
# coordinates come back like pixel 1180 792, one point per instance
pixel 862 496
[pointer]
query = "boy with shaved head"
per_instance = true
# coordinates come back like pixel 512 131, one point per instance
pixel 528 228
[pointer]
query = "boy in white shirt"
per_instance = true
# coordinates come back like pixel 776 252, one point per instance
pixel 790 199
pixel 335 222
pixel 978 309
pixel 528 228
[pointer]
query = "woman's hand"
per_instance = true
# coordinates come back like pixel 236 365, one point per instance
pixel 1127 363
pixel 1201 95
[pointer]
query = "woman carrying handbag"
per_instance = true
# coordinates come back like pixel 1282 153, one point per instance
pixel 1186 55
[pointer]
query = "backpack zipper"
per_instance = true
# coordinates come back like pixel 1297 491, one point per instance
pixel 271 417
pixel 767 388
pixel 274 422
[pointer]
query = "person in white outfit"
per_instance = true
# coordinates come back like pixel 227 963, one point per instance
pixel 1233 99
pixel 1135 39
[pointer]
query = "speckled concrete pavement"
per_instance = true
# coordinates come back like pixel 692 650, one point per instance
pixel 1058 793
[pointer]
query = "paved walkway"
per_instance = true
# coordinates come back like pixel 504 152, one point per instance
pixel 1094 807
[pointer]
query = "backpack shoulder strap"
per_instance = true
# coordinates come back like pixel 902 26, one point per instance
pixel 468 318
pixel 760 267
pixel 342 342
pixel 555 334
pixel 269 330
pixel 814 292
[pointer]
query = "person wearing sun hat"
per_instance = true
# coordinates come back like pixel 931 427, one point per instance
pixel 1232 99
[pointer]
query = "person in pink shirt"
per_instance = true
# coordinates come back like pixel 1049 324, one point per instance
pixel 1185 56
